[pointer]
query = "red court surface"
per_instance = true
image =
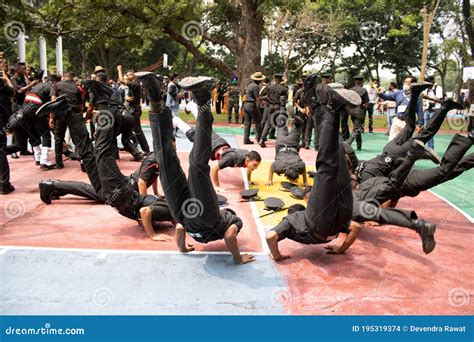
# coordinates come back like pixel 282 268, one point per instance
pixel 72 222
pixel 385 272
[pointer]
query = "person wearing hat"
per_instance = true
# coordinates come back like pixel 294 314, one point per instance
pixel 357 114
pixel 277 98
pixel 252 113
pixel 329 208
pixel 228 157
pixel 287 158
pixel 193 201
pixel 133 104
pixel 301 111
pixel 234 101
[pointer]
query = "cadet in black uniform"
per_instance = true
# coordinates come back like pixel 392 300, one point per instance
pixel 251 111
pixel 228 157
pixel 6 93
pixel 193 201
pixel 75 100
pixel 287 157
pixel 412 182
pixel 132 102
pixel 329 208
pixel 24 121
pixel 117 190
pixel 383 164
pixel 277 97
pixel 358 113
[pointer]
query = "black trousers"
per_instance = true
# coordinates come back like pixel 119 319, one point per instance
pixel 84 148
pixel 329 207
pixel 368 211
pixel 252 115
pixel 357 117
pixel 345 125
pixel 24 129
pixel 127 125
pixel 60 127
pixel 421 180
pixel 117 190
pixel 80 189
pixel 197 191
pixel 271 110
pixel 370 113
pixel 4 166
pixel 136 112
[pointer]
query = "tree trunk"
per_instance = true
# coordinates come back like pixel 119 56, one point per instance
pixel 468 22
pixel 428 15
pixel 249 42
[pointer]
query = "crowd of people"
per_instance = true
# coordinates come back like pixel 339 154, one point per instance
pixel 345 194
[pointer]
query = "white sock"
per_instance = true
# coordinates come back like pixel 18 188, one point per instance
pixel 37 153
pixel 178 122
pixel 44 156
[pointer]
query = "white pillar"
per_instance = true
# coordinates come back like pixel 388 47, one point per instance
pixel 22 47
pixel 42 55
pixel 59 55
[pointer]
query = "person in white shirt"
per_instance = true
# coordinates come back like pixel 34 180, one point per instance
pixel 434 97
pixel 372 90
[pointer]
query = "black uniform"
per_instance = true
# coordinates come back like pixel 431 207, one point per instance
pixel 329 208
pixel 6 93
pixel 193 201
pixel 148 171
pixel 277 98
pixel 252 113
pixel 394 150
pixel 75 100
pixel 406 182
pixel 134 107
pixel 222 152
pixel 287 151
pixel 358 116
pixel 38 95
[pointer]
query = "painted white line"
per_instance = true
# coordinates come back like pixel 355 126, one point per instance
pixel 3 250
pixel 258 221
pixel 118 251
pixel 466 215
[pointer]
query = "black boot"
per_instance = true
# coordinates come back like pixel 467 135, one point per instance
pixel 450 105
pixel 418 150
pixel 190 134
pixel 47 192
pixel 418 88
pixel 201 87
pixel 153 85
pixel 426 231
